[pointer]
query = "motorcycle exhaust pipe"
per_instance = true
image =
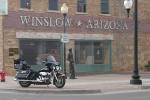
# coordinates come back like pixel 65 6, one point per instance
pixel 28 80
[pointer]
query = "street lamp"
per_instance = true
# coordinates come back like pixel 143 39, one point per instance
pixel 64 11
pixel 135 77
pixel 128 5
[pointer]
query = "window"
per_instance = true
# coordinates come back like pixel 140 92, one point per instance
pixel 104 6
pixel 92 52
pixel 53 4
pixel 83 52
pixel 25 4
pixel 36 51
pixel 99 52
pixel 81 5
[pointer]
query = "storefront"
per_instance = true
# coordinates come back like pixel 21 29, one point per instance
pixel 91 55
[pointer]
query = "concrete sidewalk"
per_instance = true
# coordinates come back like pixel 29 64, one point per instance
pixel 100 83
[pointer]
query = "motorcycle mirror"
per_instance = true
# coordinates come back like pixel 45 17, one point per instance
pixel 43 61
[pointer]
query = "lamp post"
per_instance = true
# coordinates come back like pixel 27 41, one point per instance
pixel 64 11
pixel 135 77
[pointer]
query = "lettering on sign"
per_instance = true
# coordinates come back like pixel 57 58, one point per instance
pixel 104 24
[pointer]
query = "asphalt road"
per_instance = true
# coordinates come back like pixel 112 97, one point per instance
pixel 125 95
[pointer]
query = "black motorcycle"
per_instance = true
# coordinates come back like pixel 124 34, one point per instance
pixel 49 74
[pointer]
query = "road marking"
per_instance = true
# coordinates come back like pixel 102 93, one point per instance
pixel 16 93
pixel 125 91
pixel 66 95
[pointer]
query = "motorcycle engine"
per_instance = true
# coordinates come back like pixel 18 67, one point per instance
pixel 43 73
pixel 44 76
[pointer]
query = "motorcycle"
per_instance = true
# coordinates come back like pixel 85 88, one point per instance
pixel 50 74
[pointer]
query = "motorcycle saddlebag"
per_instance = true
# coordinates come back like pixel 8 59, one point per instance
pixel 23 74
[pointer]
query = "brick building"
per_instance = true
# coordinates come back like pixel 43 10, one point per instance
pixel 99 32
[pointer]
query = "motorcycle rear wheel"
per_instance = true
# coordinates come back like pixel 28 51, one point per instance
pixel 60 82
pixel 24 83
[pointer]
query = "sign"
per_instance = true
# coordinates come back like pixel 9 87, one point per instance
pixel 3 7
pixel 54 22
pixel 87 24
pixel 64 38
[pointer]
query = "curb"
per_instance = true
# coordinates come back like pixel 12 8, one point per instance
pixel 73 91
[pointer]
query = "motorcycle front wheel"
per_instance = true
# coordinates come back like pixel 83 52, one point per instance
pixel 24 83
pixel 60 82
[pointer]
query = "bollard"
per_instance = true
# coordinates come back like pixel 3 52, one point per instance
pixel 2 76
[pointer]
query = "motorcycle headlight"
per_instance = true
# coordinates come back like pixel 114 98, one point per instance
pixel 58 68
pixel 54 67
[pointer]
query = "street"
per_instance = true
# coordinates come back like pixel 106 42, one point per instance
pixel 124 95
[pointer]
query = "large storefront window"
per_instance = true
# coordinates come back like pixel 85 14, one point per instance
pixel 91 52
pixel 36 51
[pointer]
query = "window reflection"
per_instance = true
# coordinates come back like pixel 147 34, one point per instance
pixel 92 52
pixel 25 4
pixel 36 51
pixel 81 6
pixel 53 4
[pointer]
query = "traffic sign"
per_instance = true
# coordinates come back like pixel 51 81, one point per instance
pixel 64 38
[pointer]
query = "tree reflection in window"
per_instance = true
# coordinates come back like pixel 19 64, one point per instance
pixel 26 4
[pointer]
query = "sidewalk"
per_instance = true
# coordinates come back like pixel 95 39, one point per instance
pixel 100 83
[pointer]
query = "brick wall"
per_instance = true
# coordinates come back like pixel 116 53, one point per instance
pixel 14 5
pixel 122 52
pixel 144 12
pixel 10 41
pixel 1 43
